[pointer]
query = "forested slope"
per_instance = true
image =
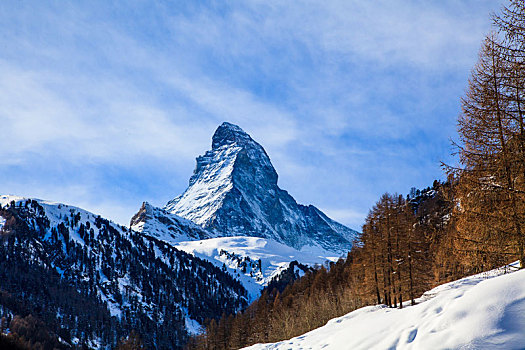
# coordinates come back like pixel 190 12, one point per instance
pixel 91 282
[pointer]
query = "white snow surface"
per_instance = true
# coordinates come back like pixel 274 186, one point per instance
pixel 274 257
pixel 485 311
pixel 205 194
pixel 165 226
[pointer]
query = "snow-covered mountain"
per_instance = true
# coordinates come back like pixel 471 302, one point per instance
pixel 95 280
pixel 233 214
pixel 254 261
pixel 485 311
pixel 207 252
pixel 233 192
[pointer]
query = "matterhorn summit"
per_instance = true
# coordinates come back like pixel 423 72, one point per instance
pixel 233 192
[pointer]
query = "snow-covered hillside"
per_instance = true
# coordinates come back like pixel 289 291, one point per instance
pixel 485 311
pixel 253 260
pixel 137 279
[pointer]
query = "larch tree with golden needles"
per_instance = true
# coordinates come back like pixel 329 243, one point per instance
pixel 490 210
pixel 511 26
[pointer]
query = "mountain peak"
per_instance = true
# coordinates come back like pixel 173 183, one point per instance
pixel 227 134
pixel 233 192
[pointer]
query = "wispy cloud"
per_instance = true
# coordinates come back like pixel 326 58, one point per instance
pixel 107 104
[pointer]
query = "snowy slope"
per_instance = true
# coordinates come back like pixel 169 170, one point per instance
pixel 122 267
pixel 208 189
pixel 253 260
pixel 165 226
pixel 233 192
pixel 485 311
pixel 56 213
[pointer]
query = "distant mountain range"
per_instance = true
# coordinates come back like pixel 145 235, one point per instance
pixel 208 251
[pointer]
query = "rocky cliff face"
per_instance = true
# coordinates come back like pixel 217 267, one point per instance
pixel 233 192
pixel 165 226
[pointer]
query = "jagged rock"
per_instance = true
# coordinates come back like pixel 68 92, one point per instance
pixel 159 223
pixel 233 192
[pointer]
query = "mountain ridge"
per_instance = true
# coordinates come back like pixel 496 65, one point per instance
pixel 53 255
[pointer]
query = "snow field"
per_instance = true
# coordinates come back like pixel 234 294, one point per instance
pixel 274 257
pixel 485 311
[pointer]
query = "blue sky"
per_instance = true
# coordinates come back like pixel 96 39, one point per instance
pixel 105 104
